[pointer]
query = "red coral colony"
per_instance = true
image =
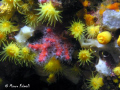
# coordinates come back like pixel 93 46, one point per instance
pixel 52 45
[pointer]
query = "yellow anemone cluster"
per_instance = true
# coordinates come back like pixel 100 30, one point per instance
pixel 26 57
pixel 12 3
pixel 11 51
pixel 92 31
pixel 53 66
pixel 84 56
pixel 77 29
pixel 20 55
pixel 48 13
pixel 31 19
pixel 96 82
pixel 6 26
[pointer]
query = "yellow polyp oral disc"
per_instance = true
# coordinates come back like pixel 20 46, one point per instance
pixel 104 37
pixel 101 39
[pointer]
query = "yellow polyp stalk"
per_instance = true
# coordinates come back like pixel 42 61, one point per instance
pixel 51 78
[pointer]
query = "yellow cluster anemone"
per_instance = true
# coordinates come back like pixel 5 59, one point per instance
pixel 77 29
pixel 11 51
pixel 26 57
pixel 48 13
pixel 92 31
pixel 96 82
pixel 53 66
pixel 84 56
pixel 23 8
pixel 12 3
pixel 6 26
pixel 31 19
pixel 118 41
pixel 51 78
pixel 116 71
pixel 104 37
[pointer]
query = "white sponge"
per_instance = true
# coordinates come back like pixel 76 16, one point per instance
pixel 24 34
pixel 111 19
pixel 102 68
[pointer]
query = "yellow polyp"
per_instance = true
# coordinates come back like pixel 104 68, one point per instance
pixel 84 56
pixel 119 85
pixel 6 24
pixel 115 80
pixel 51 78
pixel 12 3
pixel 31 19
pixel 53 66
pixel 77 29
pixel 96 82
pixel 92 31
pixel 49 13
pixel 118 41
pixel 116 71
pixel 25 51
pixel 104 37
pixel 12 50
